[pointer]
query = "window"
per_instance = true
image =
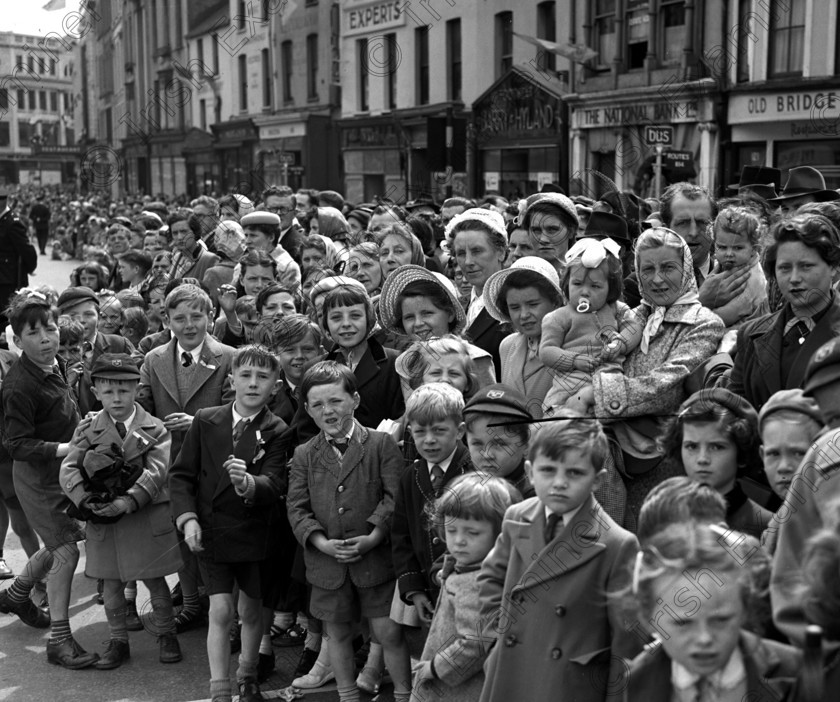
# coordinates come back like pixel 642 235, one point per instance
pixel 391 65
pixel 421 46
pixel 42 65
pixel 42 100
pixel 787 39
pixel 66 101
pixel 312 66
pixel 52 67
pixel 266 76
pixel 4 99
pixel 25 134
pixel 638 31
pixel 286 51
pixel 603 27
pixel 362 51
pixel 53 101
pixel 217 110
pixel 30 63
pixel 243 82
pixel 5 135
pixel 745 35
pixel 215 54
pixel 202 113
pixel 31 99
pixel 546 29
pixel 21 99
pixel 673 31
pixel 453 58
pixel 504 42
pixel 19 61
pixel 199 51
pixel 240 16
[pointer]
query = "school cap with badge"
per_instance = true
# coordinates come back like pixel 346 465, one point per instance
pixel 823 368
pixel 500 399
pixel 115 366
pixel 74 296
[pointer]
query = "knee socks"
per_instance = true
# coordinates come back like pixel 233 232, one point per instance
pixel 116 623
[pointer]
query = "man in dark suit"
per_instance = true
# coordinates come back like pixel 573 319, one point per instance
pixel 39 215
pixel 18 258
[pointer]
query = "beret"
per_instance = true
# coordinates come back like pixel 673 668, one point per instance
pixel 73 296
pixel 260 217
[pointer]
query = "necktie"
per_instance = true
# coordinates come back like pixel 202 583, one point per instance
pixel 703 690
pixel 552 525
pixel 239 430
pixel 798 330
pixel 437 478
pixel 186 359
pixel 87 350
pixel 120 429
pixel 340 445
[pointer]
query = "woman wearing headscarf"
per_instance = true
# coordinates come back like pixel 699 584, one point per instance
pixel 679 334
pixel 333 225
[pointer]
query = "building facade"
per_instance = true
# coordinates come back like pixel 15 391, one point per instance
pixel 37 134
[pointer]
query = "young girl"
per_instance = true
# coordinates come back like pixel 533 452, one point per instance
pixel 737 232
pixel 469 516
pixel 714 438
pixel 594 328
pixel 695 597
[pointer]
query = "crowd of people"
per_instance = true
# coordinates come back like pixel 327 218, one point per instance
pixel 488 450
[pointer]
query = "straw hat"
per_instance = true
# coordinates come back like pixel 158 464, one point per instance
pixel 397 282
pixel 495 282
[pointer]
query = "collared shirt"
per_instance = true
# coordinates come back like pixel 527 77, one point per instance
pixel 349 435
pixel 476 305
pixel 127 422
pixel 237 417
pixel 195 353
pixel 566 516
pixel 733 674
pixel 444 464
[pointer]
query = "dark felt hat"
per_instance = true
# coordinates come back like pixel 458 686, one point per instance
pixel 757 175
pixel 806 180
pixel 606 224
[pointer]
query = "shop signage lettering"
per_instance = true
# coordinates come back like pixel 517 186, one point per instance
pixel 647 113
pixel 373 18
pixel 377 135
pixel 518 110
pixel 783 106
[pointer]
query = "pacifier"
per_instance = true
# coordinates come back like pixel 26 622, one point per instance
pixel 583 305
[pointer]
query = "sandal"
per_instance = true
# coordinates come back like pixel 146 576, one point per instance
pixel 295 635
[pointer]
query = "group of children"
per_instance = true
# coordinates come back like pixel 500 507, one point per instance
pixel 493 542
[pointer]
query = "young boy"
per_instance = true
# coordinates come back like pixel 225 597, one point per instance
pixel 544 585
pixel 500 450
pixel 434 414
pixel 141 544
pixel 39 416
pixel 176 380
pixel 342 486
pixel 82 305
pixel 226 483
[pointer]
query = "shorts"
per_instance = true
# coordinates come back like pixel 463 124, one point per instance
pixel 44 504
pixel 350 603
pixel 219 578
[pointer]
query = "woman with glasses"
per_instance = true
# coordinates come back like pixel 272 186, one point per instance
pixel 552 223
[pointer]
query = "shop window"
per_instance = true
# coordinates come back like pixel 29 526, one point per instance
pixel 787 39
pixel 391 65
pixel 312 66
pixel 673 31
pixel 638 31
pixel 421 46
pixel 453 58
pixel 242 61
pixel 745 36
pixel 604 35
pixel 286 55
pixel 266 77
pixel 504 43
pixel 546 29
pixel 364 76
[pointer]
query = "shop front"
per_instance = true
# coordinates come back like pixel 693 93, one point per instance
pixel 236 146
pixel 373 151
pixel 609 137
pixel 785 129
pixel 168 171
pixel 201 165
pixel 136 154
pixel 518 135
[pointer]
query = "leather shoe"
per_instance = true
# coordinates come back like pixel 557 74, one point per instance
pixel 249 691
pixel 70 655
pixel 189 619
pixel 369 680
pixel 265 666
pixel 6 573
pixel 305 662
pixel 115 654
pixel 319 676
pixel 132 618
pixel 170 649
pixel 26 610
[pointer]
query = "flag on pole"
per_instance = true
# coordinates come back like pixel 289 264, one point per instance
pixel 55 5
pixel 579 53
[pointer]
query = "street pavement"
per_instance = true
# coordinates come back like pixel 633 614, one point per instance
pixel 25 675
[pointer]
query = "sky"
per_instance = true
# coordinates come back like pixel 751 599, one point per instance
pixel 27 17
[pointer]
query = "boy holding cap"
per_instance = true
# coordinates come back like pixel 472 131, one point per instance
pixel 130 535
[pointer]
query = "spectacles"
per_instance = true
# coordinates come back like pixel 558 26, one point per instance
pixel 278 210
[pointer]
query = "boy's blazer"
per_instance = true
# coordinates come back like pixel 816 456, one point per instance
pixel 159 383
pixel 548 606
pixel 414 546
pixel 234 529
pixel 345 498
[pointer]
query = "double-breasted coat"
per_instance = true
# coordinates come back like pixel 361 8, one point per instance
pixel 142 544
pixel 344 498
pixel 487 333
pixel 558 633
pixel 235 529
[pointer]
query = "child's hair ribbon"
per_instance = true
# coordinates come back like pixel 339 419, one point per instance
pixel 592 252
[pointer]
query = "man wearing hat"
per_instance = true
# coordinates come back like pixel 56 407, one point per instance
pixel 812 498
pixel 18 258
pixel 805 184
pixel 82 305
pixel 39 215
pixel 758 180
